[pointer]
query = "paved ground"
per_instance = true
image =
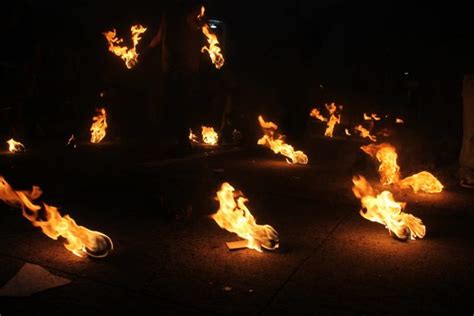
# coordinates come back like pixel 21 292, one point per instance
pixel 330 261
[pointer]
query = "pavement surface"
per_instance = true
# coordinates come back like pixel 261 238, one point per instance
pixel 171 257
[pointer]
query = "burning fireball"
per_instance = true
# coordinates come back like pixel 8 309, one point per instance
pixel 128 55
pixel 234 216
pixel 14 146
pixel 383 209
pixel 99 126
pixel 278 145
pixel 213 48
pixel 78 239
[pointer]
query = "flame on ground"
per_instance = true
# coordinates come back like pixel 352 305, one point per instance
pixel 372 117
pixel 79 240
pixel 422 181
pixel 14 146
pixel 235 217
pixel 278 145
pixel 129 55
pixel 213 48
pixel 209 136
pixel 99 126
pixel 364 133
pixel 382 208
pixel 192 137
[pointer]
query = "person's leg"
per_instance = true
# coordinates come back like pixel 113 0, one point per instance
pixel 467 152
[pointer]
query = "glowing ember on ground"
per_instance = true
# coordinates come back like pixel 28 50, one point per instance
pixel 79 240
pixel 213 47
pixel 235 217
pixel 129 55
pixel 278 145
pixel 14 146
pixel 209 136
pixel 389 170
pixel 382 208
pixel 333 118
pixel 364 133
pixel 99 126
pixel 347 132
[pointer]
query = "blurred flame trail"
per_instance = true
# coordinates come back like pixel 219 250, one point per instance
pixel 14 146
pixel 99 126
pixel 213 48
pixel 278 145
pixel 235 217
pixel 382 208
pixel 128 55
pixel 79 240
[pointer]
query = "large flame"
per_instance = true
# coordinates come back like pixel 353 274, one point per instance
pixel 209 136
pixel 78 239
pixel 387 156
pixel 278 145
pixel 389 170
pixel 14 146
pixel 235 217
pixel 382 208
pixel 129 55
pixel 99 126
pixel 364 133
pixel 333 118
pixel 213 48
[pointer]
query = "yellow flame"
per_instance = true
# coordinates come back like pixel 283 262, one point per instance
pixel 347 132
pixel 387 156
pixel 399 121
pixel 383 209
pixel 128 55
pixel 213 48
pixel 333 118
pixel 278 145
pixel 422 181
pixel 192 137
pixel 372 116
pixel 234 216
pixel 78 239
pixel 99 126
pixel 364 133
pixel 14 146
pixel 317 115
pixel 209 136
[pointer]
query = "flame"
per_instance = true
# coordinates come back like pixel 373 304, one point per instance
pixel 386 154
pixel 389 170
pixel 213 47
pixel 79 240
pixel 235 217
pixel 14 146
pixel 192 137
pixel 422 181
pixel 383 209
pixel 347 132
pixel 316 114
pixel 278 145
pixel 209 136
pixel 99 126
pixel 371 117
pixel 364 133
pixel 399 121
pixel 129 55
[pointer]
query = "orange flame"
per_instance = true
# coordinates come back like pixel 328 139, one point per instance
pixel 278 145
pixel 99 126
pixel 364 133
pixel 129 55
pixel 192 137
pixel 383 209
pixel 333 118
pixel 347 132
pixel 316 114
pixel 371 117
pixel 234 216
pixel 213 47
pixel 14 146
pixel 209 136
pixel 79 240
pixel 387 156
pixel 389 170
pixel 399 121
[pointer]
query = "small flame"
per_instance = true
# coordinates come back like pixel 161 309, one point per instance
pixel 129 55
pixel 278 145
pixel 79 240
pixel 234 216
pixel 14 146
pixel 213 47
pixel 192 137
pixel 383 209
pixel 389 170
pixel 316 114
pixel 333 118
pixel 347 132
pixel 209 136
pixel 422 181
pixel 387 156
pixel 400 121
pixel 99 126
pixel 371 117
pixel 364 133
